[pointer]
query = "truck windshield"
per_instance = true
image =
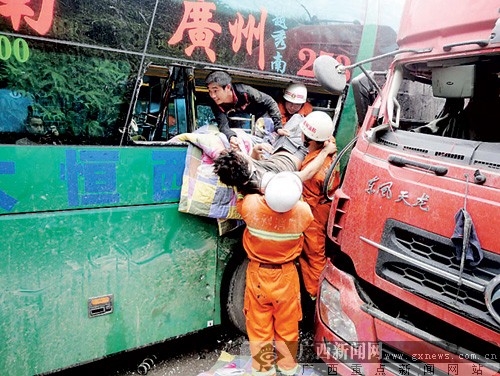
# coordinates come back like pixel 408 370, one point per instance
pixel 433 119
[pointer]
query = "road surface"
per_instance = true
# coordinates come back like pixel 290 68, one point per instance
pixel 185 356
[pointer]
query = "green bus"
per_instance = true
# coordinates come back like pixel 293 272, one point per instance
pixel 96 256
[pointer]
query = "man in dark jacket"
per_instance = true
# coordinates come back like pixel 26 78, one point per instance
pixel 234 99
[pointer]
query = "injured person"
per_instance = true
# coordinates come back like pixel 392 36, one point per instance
pixel 246 173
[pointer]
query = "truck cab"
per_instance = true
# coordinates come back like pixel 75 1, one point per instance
pixel 413 284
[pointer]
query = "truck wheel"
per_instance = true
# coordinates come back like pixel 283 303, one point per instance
pixel 236 296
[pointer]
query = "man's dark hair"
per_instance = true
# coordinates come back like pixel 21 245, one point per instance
pixel 219 78
pixel 232 168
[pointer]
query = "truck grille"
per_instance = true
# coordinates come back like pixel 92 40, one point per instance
pixel 437 252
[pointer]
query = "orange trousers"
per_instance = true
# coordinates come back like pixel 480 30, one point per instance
pixel 313 260
pixel 273 311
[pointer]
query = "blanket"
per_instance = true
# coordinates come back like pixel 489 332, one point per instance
pixel 202 193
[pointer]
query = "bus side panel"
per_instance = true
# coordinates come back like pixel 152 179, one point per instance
pixel 151 259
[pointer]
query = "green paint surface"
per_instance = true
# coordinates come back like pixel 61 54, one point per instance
pixel 348 125
pixel 161 266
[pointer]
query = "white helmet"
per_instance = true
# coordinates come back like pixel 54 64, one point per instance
pixel 266 178
pixel 296 93
pixel 283 191
pixel 317 126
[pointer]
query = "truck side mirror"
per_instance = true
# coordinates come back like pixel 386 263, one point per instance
pixel 330 74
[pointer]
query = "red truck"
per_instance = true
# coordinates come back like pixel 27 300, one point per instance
pixel 413 284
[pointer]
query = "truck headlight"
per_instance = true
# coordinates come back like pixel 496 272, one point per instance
pixel 332 315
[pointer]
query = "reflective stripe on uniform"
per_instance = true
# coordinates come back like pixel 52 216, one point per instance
pixel 262 234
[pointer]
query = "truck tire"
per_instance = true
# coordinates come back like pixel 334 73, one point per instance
pixel 236 296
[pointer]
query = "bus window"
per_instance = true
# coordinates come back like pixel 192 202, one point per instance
pixel 180 113
pixel 176 121
pixel 147 108
pixel 13 115
pixel 78 95
pixel 204 115
pixel 160 110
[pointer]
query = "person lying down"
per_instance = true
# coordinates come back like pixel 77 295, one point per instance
pixel 246 173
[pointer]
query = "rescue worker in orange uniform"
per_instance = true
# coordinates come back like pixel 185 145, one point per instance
pixel 273 239
pixel 317 127
pixel 294 102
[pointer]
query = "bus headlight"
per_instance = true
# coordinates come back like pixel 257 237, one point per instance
pixel 332 315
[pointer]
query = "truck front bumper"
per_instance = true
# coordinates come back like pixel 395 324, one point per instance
pixel 353 337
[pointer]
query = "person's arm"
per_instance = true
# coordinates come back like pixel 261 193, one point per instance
pixel 312 168
pixel 274 112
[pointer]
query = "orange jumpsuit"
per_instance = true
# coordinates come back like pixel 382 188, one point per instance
pixel 272 296
pixel 285 116
pixel 313 260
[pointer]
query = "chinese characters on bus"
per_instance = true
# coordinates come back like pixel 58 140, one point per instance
pixel 167 175
pixel 98 169
pixel 199 29
pixel 251 31
pixel 279 37
pixel 40 20
pixel 197 21
pixel 7 202
pixel 91 178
